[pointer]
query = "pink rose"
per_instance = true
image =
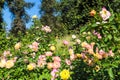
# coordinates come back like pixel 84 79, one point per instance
pixel 56 58
pixel 48 53
pixel 68 62
pixel 65 42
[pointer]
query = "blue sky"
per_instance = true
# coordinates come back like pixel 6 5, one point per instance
pixel 33 11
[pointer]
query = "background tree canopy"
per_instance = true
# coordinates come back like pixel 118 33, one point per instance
pixel 62 15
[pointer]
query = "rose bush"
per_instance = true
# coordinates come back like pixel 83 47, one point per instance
pixel 40 55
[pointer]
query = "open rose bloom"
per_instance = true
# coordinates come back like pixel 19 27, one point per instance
pixel 46 29
pixel 92 12
pixel 105 14
pixel 34 46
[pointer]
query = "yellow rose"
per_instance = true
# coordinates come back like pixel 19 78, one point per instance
pixel 83 44
pixel 79 55
pixel 52 48
pixel 65 74
pixel 31 66
pixel 17 46
pixel 71 51
pixel 98 56
pixel 9 64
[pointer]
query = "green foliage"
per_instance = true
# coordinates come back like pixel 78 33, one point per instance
pixel 109 31
pixel 19 71
pixel 76 13
pixel 114 4
pixel 40 54
pixel 110 40
pixel 1 19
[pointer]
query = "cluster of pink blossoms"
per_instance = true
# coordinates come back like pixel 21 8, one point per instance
pixel 46 29
pixel 34 46
pixel 55 65
pixel 97 34
pixel 41 61
pixel 89 50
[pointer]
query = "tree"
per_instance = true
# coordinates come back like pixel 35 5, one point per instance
pixel 75 13
pixel 1 7
pixel 48 14
pixel 17 8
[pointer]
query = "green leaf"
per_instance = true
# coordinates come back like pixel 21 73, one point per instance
pixel 94 25
pixel 106 39
pixel 83 29
pixel 111 18
pixel 110 72
pixel 109 36
pixel 116 38
pixel 105 65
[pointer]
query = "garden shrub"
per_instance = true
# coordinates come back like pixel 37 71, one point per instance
pixel 41 55
pixel 104 32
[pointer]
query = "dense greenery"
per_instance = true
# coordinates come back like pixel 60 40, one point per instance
pixel 1 19
pixel 73 40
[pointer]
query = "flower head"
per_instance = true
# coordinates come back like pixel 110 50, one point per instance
pixel 56 58
pixel 31 66
pixel 105 14
pixel 9 64
pixel 71 51
pixel 73 36
pixel 65 42
pixel 17 46
pixel 6 53
pixel 34 46
pixel 49 53
pixel 99 56
pixel 46 29
pixel 84 44
pixel 42 58
pixel 35 43
pixel 111 53
pixel 53 74
pixel 65 74
pixel 92 12
pixel 41 63
pixel 2 62
pixel 52 48
pixel 56 65
pixel 49 65
pixel 72 57
pixel 78 55
pixel 78 41
pixel 68 62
